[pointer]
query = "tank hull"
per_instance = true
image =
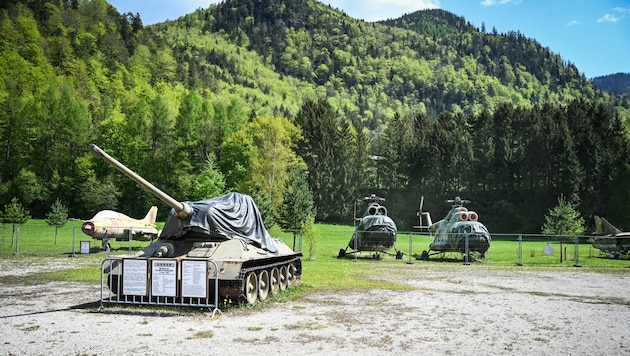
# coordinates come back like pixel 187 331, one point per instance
pixel 244 273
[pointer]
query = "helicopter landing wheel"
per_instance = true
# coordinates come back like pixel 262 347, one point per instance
pixel 399 255
pixel 342 253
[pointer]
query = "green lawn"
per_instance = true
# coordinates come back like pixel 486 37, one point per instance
pixel 322 271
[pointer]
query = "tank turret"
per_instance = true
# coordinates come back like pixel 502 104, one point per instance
pixel 227 231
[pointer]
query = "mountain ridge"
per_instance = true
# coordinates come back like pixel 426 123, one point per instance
pixel 415 68
pixel 618 83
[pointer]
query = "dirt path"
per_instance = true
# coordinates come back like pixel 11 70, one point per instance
pixel 455 310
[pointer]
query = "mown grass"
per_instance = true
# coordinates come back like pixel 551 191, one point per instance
pixel 321 271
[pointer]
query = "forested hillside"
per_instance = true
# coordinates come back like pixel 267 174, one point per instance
pixel 236 96
pixel 618 83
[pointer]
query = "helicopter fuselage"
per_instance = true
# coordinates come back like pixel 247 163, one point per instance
pixel 453 237
pixel 459 231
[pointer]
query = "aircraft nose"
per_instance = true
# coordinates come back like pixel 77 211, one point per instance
pixel 88 228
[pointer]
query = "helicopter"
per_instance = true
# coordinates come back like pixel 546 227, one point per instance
pixel 376 231
pixel 459 231
pixel 610 239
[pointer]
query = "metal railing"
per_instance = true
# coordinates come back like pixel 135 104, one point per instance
pixel 160 281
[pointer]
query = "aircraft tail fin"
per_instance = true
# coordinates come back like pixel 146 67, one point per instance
pixel 603 227
pixel 151 215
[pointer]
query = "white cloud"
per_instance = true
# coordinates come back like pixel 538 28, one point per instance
pixel 573 23
pixel 487 3
pixel 423 4
pixel 612 18
pixel 608 18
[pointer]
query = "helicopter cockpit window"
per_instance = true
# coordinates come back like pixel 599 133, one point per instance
pixel 470 228
pixel 463 229
pixel 481 228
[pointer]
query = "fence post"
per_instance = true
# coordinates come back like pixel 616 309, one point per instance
pixel 130 239
pixel 467 255
pixel 17 240
pixel 520 250
pixel 356 244
pixel 577 252
pixel 301 240
pixel 410 262
pixel 74 241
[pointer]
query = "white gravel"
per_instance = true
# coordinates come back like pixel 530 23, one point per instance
pixel 450 310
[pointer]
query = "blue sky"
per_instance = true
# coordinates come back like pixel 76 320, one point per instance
pixel 592 34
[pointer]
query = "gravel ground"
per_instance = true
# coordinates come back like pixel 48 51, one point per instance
pixel 448 310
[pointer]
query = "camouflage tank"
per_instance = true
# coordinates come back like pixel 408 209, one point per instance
pixel 226 230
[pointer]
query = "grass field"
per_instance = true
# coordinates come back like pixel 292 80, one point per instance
pixel 323 270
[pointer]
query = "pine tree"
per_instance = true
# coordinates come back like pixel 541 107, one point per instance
pixel 297 205
pixel 563 219
pixel 310 236
pixel 57 216
pixel 15 214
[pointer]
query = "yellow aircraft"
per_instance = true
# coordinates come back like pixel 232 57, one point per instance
pixel 109 224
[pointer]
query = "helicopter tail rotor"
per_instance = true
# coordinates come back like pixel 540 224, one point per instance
pixel 427 217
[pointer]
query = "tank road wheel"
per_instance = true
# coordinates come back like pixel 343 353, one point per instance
pixel 291 274
pixel 263 285
pixel 250 288
pixel 274 280
pixel 284 278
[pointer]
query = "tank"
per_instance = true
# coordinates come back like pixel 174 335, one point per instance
pixel 226 231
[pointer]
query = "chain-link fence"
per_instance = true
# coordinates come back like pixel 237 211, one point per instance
pixel 45 240
pixel 505 249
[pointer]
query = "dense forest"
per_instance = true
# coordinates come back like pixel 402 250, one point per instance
pixel 237 96
pixel 618 83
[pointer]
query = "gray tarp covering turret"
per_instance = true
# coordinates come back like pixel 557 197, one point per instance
pixel 230 216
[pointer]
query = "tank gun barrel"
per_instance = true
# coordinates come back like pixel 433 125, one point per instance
pixel 182 210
